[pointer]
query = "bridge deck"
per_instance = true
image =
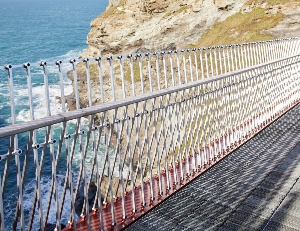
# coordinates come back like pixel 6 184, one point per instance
pixel 255 188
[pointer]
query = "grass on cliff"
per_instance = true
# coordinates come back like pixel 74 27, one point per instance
pixel 271 2
pixel 241 27
pixel 113 10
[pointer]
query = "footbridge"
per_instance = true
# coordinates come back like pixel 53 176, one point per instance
pixel 195 139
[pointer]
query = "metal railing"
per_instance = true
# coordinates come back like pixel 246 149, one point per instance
pixel 117 77
pixel 141 147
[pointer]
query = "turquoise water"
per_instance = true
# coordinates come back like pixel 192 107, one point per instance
pixel 31 31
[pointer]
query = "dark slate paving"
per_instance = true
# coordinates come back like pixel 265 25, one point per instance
pixel 256 188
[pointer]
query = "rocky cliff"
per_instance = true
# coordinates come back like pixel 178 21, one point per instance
pixel 147 25
pixel 129 26
pixel 138 26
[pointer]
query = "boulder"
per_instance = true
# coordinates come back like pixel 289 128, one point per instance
pixel 51 227
pixel 80 198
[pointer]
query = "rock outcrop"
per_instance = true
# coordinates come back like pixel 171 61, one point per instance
pixel 80 198
pixel 139 26
pixel 129 26
pixel 148 25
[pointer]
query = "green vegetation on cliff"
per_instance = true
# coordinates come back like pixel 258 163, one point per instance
pixel 241 27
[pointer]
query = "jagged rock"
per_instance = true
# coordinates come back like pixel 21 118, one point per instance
pixel 80 198
pixel 113 2
pixel 51 227
pixel 223 4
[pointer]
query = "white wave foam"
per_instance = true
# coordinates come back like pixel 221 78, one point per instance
pixel 39 100
pixel 45 187
pixel 72 54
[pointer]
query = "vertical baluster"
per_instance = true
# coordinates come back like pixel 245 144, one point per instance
pixel 16 152
pixel 178 66
pixel 185 121
pixel 163 115
pixel 138 125
pixel 69 181
pixel 266 53
pixel 165 69
pixel 201 63
pixel 148 57
pixel 82 149
pixel 140 56
pixel 191 66
pixel 35 151
pixel 231 56
pixel 225 58
pixel 276 48
pixel 156 113
pixel 172 68
pixel 206 62
pixel 53 158
pixel 271 46
pixel 108 135
pixel 64 134
pixel 122 76
pixel 172 164
pixel 196 63
pixel 220 59
pixel 86 183
pixel 184 66
pixel 256 55
pixel 246 55
pixel 251 52
pixel 99 64
pixel 2 225
pixel 296 46
pixel 211 62
pixel 198 130
pixel 227 113
pixel 98 180
pixel 72 221
pixel 147 125
pixel 284 48
pixel 177 127
pixel 205 130
pixel 281 48
pixel 121 164
pixel 235 57
pixel 240 57
pixel 112 78
pixel 259 52
pixel 216 60
pixel 128 133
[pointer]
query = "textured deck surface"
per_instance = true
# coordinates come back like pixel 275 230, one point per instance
pixel 255 188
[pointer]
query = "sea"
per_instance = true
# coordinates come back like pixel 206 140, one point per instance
pixel 34 31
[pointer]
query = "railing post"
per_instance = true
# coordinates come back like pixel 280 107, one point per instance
pixel 51 142
pixel 35 146
pixel 2 225
pixel 13 150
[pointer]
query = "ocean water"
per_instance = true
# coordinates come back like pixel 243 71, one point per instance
pixel 32 31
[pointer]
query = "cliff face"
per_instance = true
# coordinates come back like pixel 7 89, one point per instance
pixel 148 25
pixel 129 26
